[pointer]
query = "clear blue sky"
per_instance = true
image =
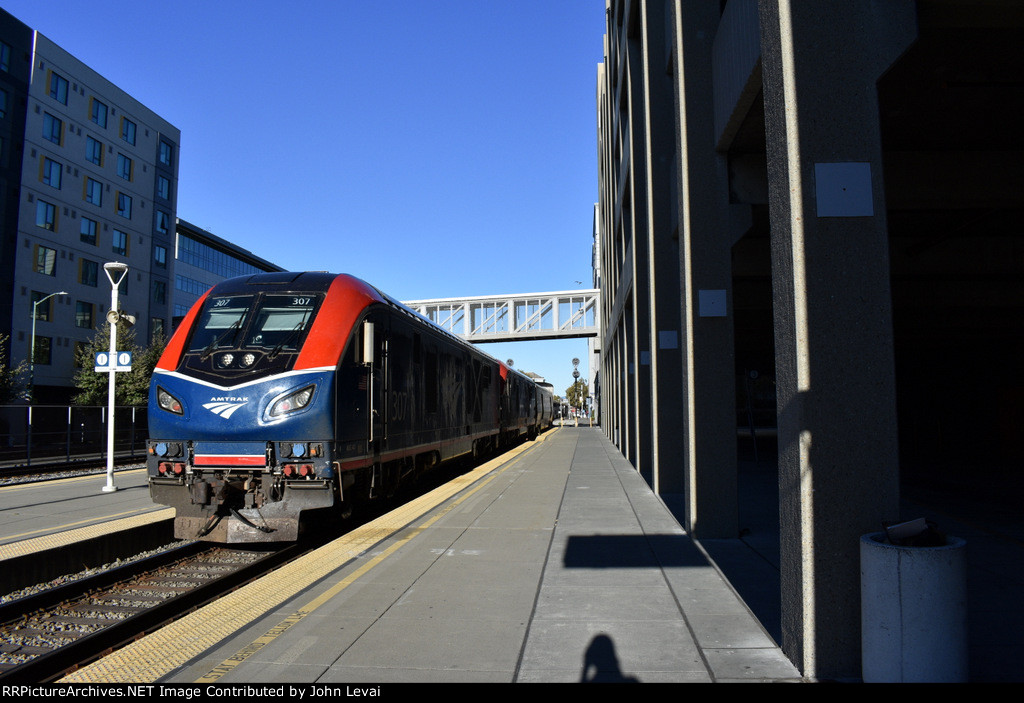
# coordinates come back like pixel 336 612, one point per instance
pixel 436 149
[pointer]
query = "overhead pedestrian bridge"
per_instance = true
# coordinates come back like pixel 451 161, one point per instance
pixel 505 318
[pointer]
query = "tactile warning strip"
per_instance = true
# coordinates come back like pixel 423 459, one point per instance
pixel 61 539
pixel 159 653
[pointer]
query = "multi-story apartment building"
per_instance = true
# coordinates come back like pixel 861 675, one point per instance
pixel 98 183
pixel 15 64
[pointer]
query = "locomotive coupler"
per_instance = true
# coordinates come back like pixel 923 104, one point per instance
pixel 199 492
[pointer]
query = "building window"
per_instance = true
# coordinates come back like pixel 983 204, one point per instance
pixel 160 292
pixel 83 314
pixel 163 187
pixel 5 100
pixel 58 88
pixel 128 130
pixel 93 192
pixel 53 129
pixel 44 312
pixel 98 112
pixel 42 351
pixel 124 205
pixel 163 222
pixel 165 153
pixel 156 326
pixel 120 243
pixel 190 285
pixel 124 167
pixel 51 172
pixel 196 253
pixel 93 151
pixel 88 272
pixel 88 231
pixel 45 260
pixel 5 57
pixel 46 215
pixel 160 256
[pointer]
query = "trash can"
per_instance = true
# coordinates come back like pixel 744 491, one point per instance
pixel 913 610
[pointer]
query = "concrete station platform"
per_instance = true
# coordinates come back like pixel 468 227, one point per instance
pixel 554 563
pixel 32 511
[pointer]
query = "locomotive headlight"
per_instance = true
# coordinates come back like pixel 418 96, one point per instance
pixel 248 359
pixel 292 402
pixel 226 359
pixel 168 402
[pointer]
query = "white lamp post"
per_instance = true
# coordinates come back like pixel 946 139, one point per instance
pixel 32 353
pixel 116 271
pixel 576 387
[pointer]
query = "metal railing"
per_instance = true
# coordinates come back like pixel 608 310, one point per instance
pixel 53 433
pixel 531 316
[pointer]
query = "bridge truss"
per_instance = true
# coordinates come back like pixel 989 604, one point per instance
pixel 505 318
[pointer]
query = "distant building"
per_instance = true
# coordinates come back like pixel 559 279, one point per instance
pixel 201 260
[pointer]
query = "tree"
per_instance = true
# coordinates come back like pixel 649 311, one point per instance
pixel 576 394
pixel 11 386
pixel 130 387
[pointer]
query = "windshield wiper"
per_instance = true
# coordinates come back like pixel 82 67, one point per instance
pixel 280 345
pixel 217 342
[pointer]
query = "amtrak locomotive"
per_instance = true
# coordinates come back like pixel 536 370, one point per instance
pixel 290 392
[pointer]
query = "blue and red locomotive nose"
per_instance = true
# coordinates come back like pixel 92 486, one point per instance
pixel 294 405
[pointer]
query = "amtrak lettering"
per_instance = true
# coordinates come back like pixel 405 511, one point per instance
pixel 225 406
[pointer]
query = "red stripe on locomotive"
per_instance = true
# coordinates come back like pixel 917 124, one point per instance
pixel 346 299
pixel 172 352
pixel 222 460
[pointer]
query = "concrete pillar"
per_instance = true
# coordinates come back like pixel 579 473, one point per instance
pixel 705 281
pixel 664 357
pixel 640 195
pixel 838 470
pixel 630 410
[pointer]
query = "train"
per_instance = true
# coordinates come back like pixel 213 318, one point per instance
pixel 284 393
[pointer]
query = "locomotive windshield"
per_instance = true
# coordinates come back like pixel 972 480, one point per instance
pixel 280 321
pixel 220 324
pixel 269 324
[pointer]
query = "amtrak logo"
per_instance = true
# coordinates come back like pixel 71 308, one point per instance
pixel 225 407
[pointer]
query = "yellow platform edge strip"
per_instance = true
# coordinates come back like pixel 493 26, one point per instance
pixel 81 534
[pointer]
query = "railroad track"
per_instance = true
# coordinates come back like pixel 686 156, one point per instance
pixel 58 468
pixel 54 632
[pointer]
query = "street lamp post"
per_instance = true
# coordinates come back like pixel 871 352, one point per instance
pixel 32 352
pixel 116 271
pixel 576 386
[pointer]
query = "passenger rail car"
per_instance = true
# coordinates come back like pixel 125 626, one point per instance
pixel 288 392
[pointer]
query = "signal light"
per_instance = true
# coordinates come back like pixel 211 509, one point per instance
pixel 292 470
